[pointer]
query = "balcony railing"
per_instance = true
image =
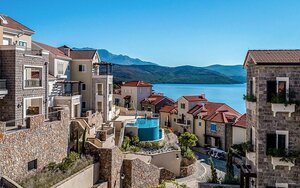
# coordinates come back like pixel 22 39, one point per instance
pixel 29 51
pixel 183 122
pixel 2 84
pixel 33 83
pixel 69 93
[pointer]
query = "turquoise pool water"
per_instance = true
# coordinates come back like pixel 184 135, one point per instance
pixel 148 129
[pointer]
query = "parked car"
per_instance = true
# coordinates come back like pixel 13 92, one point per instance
pixel 217 153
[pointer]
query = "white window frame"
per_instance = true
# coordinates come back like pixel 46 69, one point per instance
pixel 286 133
pixel 28 98
pixel 24 72
pixel 254 86
pixel 23 42
pixel 283 79
pixel 8 37
pixel 98 88
pixel 253 135
pixel 282 185
pixel 84 67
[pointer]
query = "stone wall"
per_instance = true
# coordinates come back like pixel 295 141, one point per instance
pixel 45 141
pixel 188 170
pixel 166 175
pixel 212 185
pixel 111 160
pixel 263 123
pixel 139 174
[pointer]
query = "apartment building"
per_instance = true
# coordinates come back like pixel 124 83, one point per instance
pixel 155 102
pixel 273 116
pixel 211 122
pixel 132 93
pixel 23 73
pixel 94 79
pixel 61 89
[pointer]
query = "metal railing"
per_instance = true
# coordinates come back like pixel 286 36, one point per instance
pixel 29 51
pixel 2 84
pixel 33 83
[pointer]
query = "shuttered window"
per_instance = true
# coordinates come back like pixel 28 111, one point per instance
pixel 271 142
pixel 271 90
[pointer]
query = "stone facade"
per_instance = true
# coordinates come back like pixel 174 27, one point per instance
pixel 223 135
pixel 12 62
pixel 44 141
pixel 188 170
pixel 261 122
pixel 138 174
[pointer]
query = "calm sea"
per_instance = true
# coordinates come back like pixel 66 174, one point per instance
pixel 231 94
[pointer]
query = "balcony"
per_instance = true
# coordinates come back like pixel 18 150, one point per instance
pixel 277 161
pixel 284 108
pixel 282 157
pixel 3 89
pixel 183 122
pixel 31 52
pixel 33 83
pixel 250 105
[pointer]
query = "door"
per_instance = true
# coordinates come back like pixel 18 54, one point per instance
pixel 213 141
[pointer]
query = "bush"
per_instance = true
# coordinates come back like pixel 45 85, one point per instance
pixel 148 144
pixel 126 143
pixel 135 140
pixel 155 145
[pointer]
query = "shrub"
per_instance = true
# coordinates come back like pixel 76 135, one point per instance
pixel 135 140
pixel 155 145
pixel 250 98
pixel 126 143
pixel 214 175
pixel 187 140
pixel 148 145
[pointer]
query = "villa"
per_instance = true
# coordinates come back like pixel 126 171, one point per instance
pixel 132 93
pixel 272 118
pixel 155 102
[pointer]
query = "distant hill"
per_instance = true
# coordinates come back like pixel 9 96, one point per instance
pixel 236 72
pixel 160 74
pixel 121 59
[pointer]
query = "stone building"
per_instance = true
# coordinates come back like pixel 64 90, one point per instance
pixel 155 102
pixel 25 73
pixel 273 114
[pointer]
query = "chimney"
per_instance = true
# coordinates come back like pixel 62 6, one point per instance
pixel 202 95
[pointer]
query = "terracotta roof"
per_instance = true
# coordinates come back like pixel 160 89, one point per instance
pixel 83 54
pixel 195 108
pixel 168 108
pixel 273 57
pixel 195 98
pixel 137 84
pixel 13 24
pixel 154 99
pixel 220 113
pixel 51 49
pixel 241 121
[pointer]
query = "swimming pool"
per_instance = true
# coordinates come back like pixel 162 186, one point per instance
pixel 148 128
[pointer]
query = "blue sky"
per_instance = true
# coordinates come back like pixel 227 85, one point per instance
pixel 167 32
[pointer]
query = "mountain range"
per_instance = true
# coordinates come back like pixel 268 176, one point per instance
pixel 127 68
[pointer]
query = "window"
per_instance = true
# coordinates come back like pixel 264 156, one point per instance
pixel 83 105
pixel 182 106
pixel 279 87
pixel 149 109
pixel 60 68
pixel 100 89
pixel 252 87
pixel 83 87
pixel 213 127
pixel 278 140
pixel 109 105
pixel 7 41
pixel 200 123
pixel 271 90
pixel 23 43
pixel 33 76
pixel 99 106
pixel 32 165
pixel 110 88
pixel 82 68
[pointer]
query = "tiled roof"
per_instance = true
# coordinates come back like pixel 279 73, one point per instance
pixel 13 24
pixel 195 98
pixel 169 108
pixel 51 49
pixel 195 108
pixel 273 56
pixel 220 113
pixel 155 99
pixel 137 84
pixel 241 122
pixel 83 54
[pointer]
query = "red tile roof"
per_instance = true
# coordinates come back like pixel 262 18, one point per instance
pixel 195 108
pixel 83 54
pixel 169 108
pixel 13 24
pixel 195 98
pixel 220 113
pixel 137 84
pixel 273 57
pixel 155 99
pixel 51 49
pixel 241 121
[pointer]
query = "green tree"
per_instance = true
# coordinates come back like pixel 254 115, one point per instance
pixel 229 176
pixel 135 140
pixel 214 175
pixel 187 140
pixel 83 141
